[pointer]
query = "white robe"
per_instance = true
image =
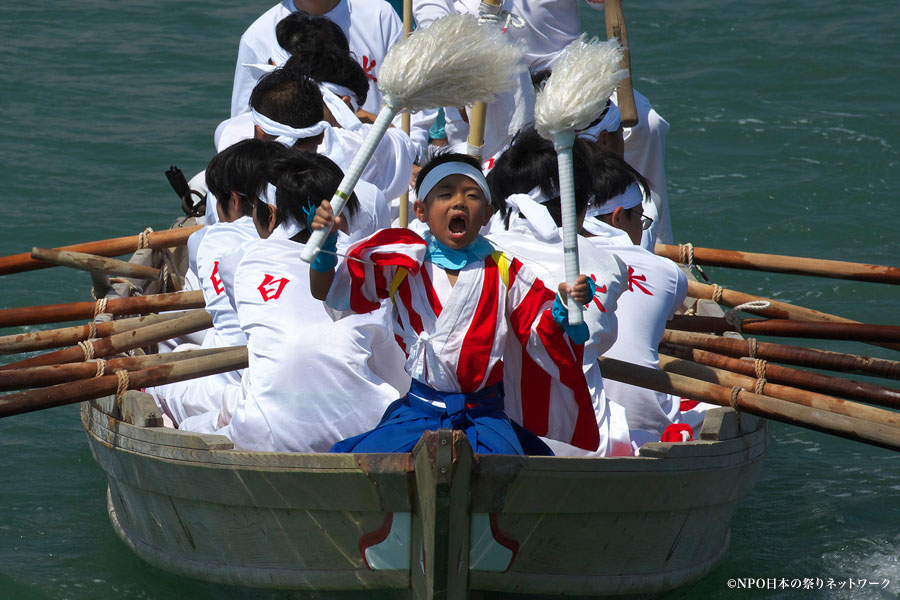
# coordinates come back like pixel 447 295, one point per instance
pixel 464 337
pixel 541 249
pixel 371 27
pixel 185 399
pixel 655 288
pixel 311 381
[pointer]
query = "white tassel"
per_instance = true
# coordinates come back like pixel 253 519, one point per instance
pixel 453 62
pixel 582 81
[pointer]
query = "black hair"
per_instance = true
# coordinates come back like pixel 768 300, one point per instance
pixel 611 176
pixel 241 168
pixel 530 162
pixel 327 64
pixel 452 157
pixel 302 180
pixel 300 31
pixel 293 100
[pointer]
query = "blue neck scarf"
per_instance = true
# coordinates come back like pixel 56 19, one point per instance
pixel 454 260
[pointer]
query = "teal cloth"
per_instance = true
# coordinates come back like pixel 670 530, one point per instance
pixel 454 260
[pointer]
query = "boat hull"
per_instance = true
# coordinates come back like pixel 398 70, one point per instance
pixel 437 521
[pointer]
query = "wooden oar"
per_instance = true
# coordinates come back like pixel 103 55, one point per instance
pixel 776 309
pixel 78 391
pixel 32 377
pixel 94 264
pixel 815 382
pixel 858 332
pixel 852 428
pixel 791 355
pixel 120 342
pixel 615 28
pixel 73 311
pixel 775 263
pixel 671 364
pixel 66 336
pixel 18 263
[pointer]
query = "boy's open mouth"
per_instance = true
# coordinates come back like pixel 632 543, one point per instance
pixel 457 225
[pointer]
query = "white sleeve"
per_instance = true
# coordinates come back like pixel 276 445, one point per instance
pixel 244 81
pixel 425 12
pixel 391 165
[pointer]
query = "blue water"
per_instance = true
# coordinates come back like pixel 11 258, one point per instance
pixel 784 139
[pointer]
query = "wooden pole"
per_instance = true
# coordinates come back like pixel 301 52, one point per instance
pixel 791 355
pixel 405 123
pixel 671 364
pixel 18 263
pixel 32 377
pixel 78 391
pixel 795 265
pixel 776 310
pixel 615 28
pixel 66 336
pixel 94 264
pixel 815 382
pixel 852 428
pixel 121 342
pixel 857 332
pixel 72 311
pixel 477 118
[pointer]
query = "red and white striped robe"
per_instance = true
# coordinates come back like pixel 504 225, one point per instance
pixel 455 336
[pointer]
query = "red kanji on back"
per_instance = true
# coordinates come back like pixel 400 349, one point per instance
pixel 271 288
pixel 602 290
pixel 368 66
pixel 634 279
pixel 216 280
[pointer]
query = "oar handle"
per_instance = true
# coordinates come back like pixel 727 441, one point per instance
pixel 563 142
pixel 615 28
pixel 339 200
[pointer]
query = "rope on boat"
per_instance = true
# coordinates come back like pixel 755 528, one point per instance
pixel 760 366
pixel 122 376
pixel 92 330
pixel 87 347
pixel 144 238
pixel 734 319
pixel 717 293
pixel 99 308
pixel 686 257
pixel 751 347
pixel 101 368
pixel 733 400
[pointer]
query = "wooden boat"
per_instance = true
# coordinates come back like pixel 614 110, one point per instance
pixel 438 521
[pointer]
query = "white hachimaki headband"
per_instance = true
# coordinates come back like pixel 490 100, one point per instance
pixel 288 227
pixel 453 168
pixel 611 121
pixel 272 127
pixel 631 197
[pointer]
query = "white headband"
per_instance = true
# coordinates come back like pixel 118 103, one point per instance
pixel 345 117
pixel 272 127
pixel 339 91
pixel 611 121
pixel 453 168
pixel 288 228
pixel 531 206
pixel 631 197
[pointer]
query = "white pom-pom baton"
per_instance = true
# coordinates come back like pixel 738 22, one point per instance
pixel 573 97
pixel 453 62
